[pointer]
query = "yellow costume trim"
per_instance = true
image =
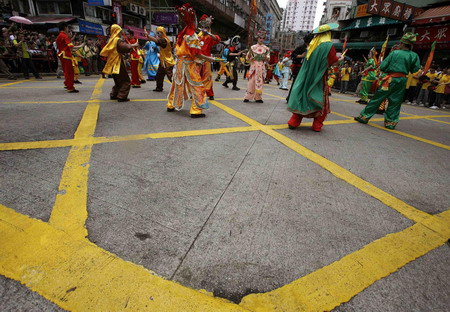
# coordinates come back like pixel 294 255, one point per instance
pixel 110 52
pixel 318 40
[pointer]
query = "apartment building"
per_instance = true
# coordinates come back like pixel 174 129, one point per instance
pixel 299 15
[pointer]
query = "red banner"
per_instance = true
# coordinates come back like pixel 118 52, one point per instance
pixel 392 9
pixel 427 35
pixel 408 12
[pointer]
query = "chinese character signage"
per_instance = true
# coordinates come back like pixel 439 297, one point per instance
pixel 269 23
pixel 393 9
pixel 386 8
pixel 428 35
pixel 165 18
pixel 373 7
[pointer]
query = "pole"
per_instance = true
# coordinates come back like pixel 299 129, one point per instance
pixel 150 14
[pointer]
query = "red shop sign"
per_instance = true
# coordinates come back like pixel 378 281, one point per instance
pixel 439 33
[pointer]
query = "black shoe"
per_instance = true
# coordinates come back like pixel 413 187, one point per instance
pixel 77 81
pixel 198 115
pixel 113 98
pixel 380 112
pixel 123 100
pixel 65 87
pixel 225 85
pixel 158 90
pixel 143 81
pixel 259 101
pixel 59 77
pixel 38 77
pixel 359 119
pixel 217 79
pixel 291 127
pixel 235 88
pixel 73 91
pixel 170 109
pixel 135 86
pixel 12 78
pixel 245 101
pixel 211 97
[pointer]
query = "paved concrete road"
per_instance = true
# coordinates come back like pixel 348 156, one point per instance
pixel 108 206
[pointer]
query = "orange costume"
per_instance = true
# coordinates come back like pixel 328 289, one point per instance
pixel 187 80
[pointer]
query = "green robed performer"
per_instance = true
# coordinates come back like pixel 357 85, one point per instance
pixel 369 76
pixel 309 94
pixel 397 66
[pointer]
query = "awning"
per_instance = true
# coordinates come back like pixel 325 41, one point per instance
pixel 90 28
pixel 49 20
pixel 371 21
pixel 138 32
pixel 365 45
pixel 435 15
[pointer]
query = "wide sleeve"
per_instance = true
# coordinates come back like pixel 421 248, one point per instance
pixel 123 47
pixel 332 57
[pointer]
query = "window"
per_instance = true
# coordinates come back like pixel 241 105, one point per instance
pixel 54 7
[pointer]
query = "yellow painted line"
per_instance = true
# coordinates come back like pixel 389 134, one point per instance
pixel 176 134
pixel 45 102
pixel 275 96
pixel 229 99
pixel 327 288
pixel 134 137
pixel 13 146
pixel 341 173
pixel 80 276
pixel 431 117
pixel 12 83
pixel 70 209
pixel 411 136
pixel 342 115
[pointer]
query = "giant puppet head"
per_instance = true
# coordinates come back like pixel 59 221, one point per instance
pixel 188 19
pixel 205 21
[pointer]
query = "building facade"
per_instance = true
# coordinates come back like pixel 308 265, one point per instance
pixel 299 15
pixel 336 10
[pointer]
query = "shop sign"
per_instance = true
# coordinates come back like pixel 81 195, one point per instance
pixel 90 28
pixel 361 11
pixel 165 18
pixel 269 23
pixel 393 9
pixel 440 33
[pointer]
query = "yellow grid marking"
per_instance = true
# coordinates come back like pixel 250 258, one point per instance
pixel 338 282
pixel 78 275
pixel 70 209
pixel 11 83
pixel 10 146
pixel 437 116
pixel 338 171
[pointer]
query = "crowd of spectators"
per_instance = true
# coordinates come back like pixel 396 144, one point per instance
pixel 24 51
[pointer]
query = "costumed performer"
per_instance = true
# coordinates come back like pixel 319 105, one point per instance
pixel 286 70
pixel 166 61
pixel 187 80
pixel 65 47
pixel 397 66
pixel 208 41
pixel 134 60
pixel 223 62
pixel 258 56
pixel 309 93
pixel 369 76
pixel 115 66
pixel 232 64
pixel 151 63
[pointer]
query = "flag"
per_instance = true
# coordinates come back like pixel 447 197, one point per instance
pixel 345 43
pixel 383 49
pixel 430 58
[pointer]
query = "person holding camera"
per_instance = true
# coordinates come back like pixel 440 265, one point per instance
pixel 21 44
